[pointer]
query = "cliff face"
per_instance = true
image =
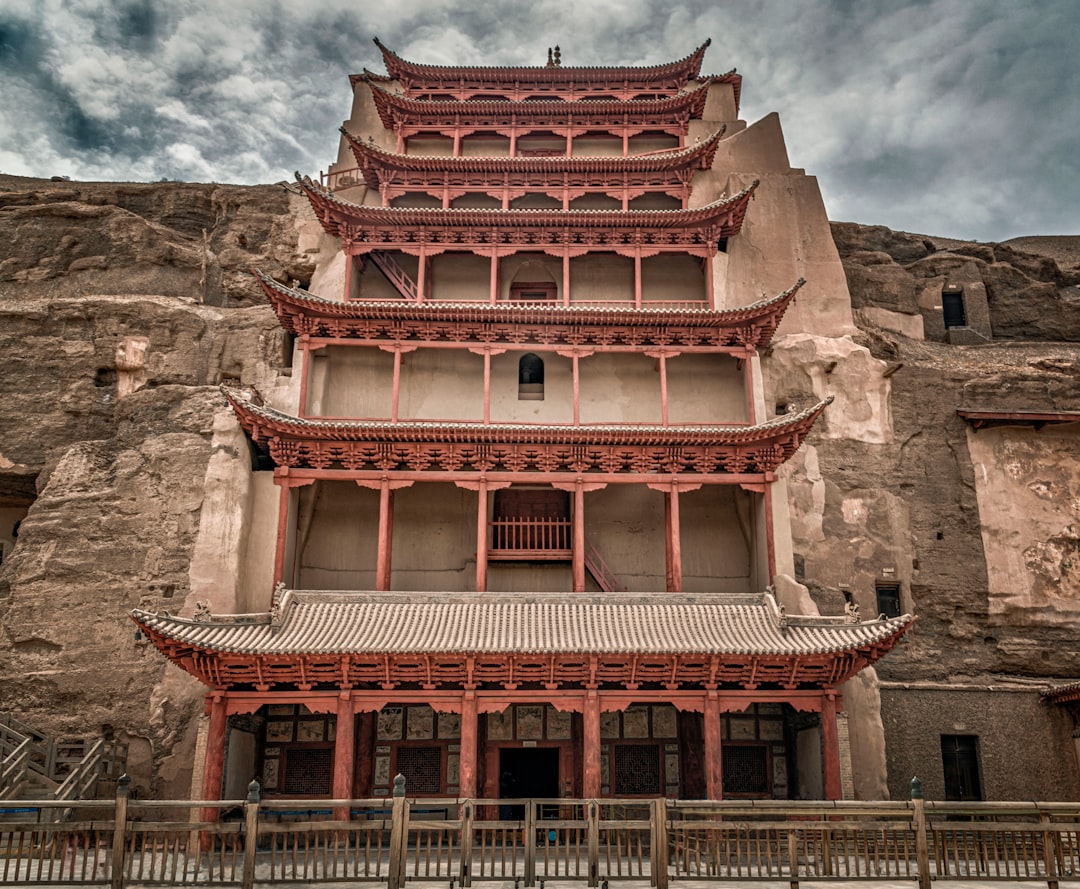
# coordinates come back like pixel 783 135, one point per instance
pixel 122 307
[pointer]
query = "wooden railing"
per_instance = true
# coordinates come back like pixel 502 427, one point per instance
pixel 518 538
pixel 530 841
pixel 395 274
pixel 73 767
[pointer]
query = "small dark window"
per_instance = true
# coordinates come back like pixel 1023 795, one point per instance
pixel 888 599
pixel 533 292
pixel 952 308
pixel 308 771
pixel 530 378
pixel 960 761
pixel 637 769
pixel 746 769
pixel 422 768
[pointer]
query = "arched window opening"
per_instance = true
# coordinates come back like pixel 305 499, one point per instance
pixel 530 378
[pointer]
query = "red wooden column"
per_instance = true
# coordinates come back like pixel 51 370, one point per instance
pixel 468 754
pixel 214 765
pixel 709 281
pixel 770 542
pixel 344 751
pixel 674 540
pixel 637 277
pixel 714 753
pixel 830 745
pixel 578 552
pixel 386 535
pixel 481 539
pixel 281 478
pixel 494 274
pixel 590 743
pixel 349 263
pixel 421 276
pixel 566 277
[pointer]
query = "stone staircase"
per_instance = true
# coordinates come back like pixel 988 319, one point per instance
pixel 35 766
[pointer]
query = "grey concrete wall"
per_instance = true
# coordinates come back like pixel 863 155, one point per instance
pixel 1025 747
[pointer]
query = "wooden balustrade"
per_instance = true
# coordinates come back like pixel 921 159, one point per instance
pixel 519 538
pixel 124 841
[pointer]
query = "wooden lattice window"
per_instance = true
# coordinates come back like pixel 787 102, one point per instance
pixel 637 769
pixel 746 768
pixel 309 772
pixel 422 768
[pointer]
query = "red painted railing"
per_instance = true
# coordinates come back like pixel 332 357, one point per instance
pixel 395 274
pixel 517 538
pixel 341 178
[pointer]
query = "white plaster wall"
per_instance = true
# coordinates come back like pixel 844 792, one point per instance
pixel 442 384
pixel 339 543
pixel 260 542
pixel 705 389
pixel 671 277
pixel 358 382
pixel 485 146
pixel 619 388
pixel 603 276
pixel 1027 485
pixel 434 538
pixel 460 276
pixel 626 525
pixel 558 403
pixel 718 534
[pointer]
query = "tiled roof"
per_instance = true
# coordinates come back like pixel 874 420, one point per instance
pixel 653 161
pixel 593 433
pixel 537 217
pixel 542 623
pixel 529 312
pixel 1062 694
pixel 396 65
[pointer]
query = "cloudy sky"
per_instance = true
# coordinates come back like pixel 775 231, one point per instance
pixel 949 117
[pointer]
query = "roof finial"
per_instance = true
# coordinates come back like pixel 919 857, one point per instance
pixel 558 57
pixel 551 63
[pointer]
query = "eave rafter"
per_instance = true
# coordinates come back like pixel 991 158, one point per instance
pixel 365 228
pixel 671 114
pixel 400 173
pixel 514 324
pixel 466 81
pixel 615 448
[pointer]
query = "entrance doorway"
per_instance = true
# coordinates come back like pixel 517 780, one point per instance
pixel 527 772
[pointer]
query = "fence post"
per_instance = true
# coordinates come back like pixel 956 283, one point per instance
pixel 467 815
pixel 251 834
pixel 119 841
pixel 659 866
pixel 594 842
pixel 1050 852
pixel 398 836
pixel 922 845
pixel 529 842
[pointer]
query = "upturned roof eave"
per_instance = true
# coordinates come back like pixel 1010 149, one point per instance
pixel 688 67
pixel 700 153
pixel 509 313
pixel 488 218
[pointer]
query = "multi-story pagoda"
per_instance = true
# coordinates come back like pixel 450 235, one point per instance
pixel 528 529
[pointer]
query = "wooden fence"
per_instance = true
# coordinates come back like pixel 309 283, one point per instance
pixel 452 841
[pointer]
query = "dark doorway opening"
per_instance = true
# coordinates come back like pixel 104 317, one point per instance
pixel 529 773
pixel 960 758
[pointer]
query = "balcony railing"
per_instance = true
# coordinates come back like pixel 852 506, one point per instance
pixel 521 538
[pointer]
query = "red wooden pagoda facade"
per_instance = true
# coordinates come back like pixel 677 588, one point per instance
pixel 525 527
